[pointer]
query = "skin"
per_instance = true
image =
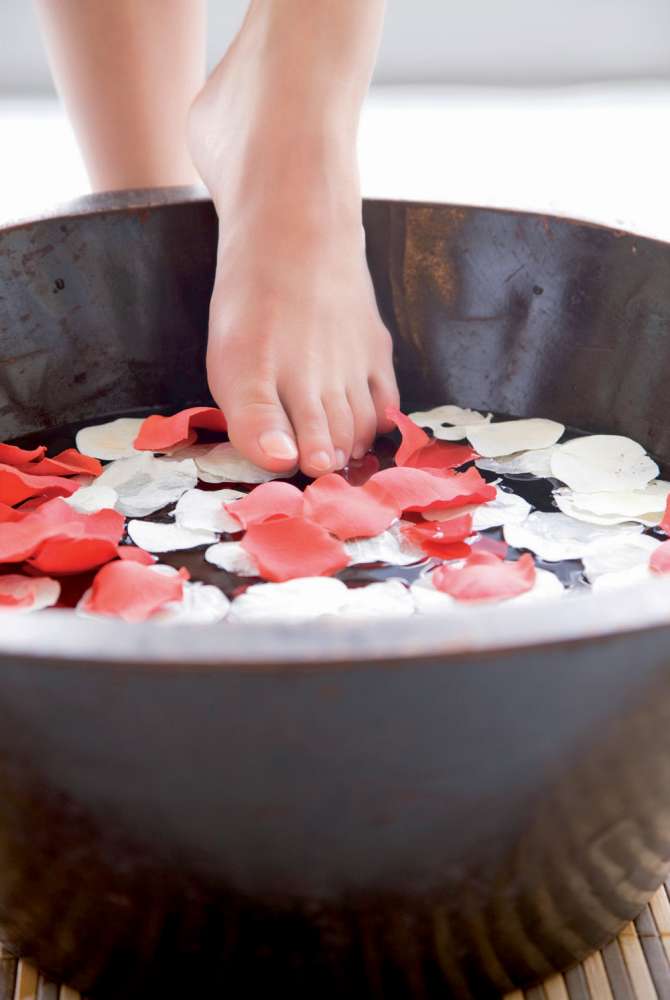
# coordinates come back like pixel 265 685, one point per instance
pixel 298 357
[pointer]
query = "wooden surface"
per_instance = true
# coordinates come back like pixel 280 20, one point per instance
pixel 636 966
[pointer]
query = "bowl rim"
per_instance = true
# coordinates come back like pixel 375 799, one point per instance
pixel 63 637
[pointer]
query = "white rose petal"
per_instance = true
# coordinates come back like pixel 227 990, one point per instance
pixel 110 440
pixel 536 462
pixel 508 436
pixel 554 537
pixel 297 600
pixel 457 419
pixel 386 599
pixel 646 505
pixel 91 499
pixel 630 577
pixel 154 536
pixel 391 546
pixel 145 484
pixel 222 463
pixel 603 463
pixel 203 510
pixel 201 604
pixel 625 554
pixel 232 557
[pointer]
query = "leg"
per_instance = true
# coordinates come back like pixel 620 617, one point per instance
pixel 128 71
pixel 298 357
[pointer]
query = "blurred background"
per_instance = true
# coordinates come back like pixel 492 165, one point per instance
pixel 561 107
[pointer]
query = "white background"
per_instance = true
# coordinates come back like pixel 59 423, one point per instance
pixel 560 106
pixel 442 41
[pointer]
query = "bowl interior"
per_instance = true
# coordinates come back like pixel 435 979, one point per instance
pixel 105 311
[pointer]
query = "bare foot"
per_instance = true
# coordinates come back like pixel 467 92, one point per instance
pixel 298 357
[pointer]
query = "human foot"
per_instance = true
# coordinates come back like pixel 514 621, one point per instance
pixel 298 357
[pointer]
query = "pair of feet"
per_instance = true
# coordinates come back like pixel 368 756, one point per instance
pixel 298 357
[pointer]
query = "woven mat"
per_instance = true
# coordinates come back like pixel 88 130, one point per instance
pixel 636 966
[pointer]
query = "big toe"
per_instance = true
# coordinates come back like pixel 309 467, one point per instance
pixel 261 431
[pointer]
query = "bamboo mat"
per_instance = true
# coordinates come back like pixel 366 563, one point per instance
pixel 636 966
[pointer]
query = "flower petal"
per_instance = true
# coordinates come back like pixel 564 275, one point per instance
pixel 205 510
pixel 419 490
pixel 201 604
pixel 128 590
pixel 508 436
pixel 233 558
pixel 111 440
pixel 223 463
pixel 555 537
pixel 267 501
pixel 386 599
pixel 90 499
pixel 27 593
pixel 154 536
pixel 419 451
pixel 485 577
pixel 391 547
pixel 159 433
pixel 660 559
pixel 145 484
pixel 298 600
pixel 11 454
pixel 68 463
pixel 133 554
pixel 291 547
pixel 348 511
pixel 16 485
pixel 442 540
pixel 602 463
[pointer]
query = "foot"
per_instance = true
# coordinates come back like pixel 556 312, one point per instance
pixel 298 357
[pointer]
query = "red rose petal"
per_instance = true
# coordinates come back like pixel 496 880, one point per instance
pixel 125 589
pixel 485 577
pixel 412 437
pixel 134 554
pixel 16 485
pixel 69 463
pixel 266 501
pixel 159 433
pixel 291 547
pixel 348 511
pixel 442 540
pixel 664 524
pixel 418 489
pixel 660 559
pixel 8 513
pixel 496 546
pixel 16 591
pixel 11 454
pixel 64 555
pixel 419 451
pixel 45 536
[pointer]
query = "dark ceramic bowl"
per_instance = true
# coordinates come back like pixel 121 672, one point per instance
pixel 415 810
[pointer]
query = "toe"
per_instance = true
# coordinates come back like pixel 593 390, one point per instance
pixel 365 419
pixel 260 429
pixel 310 424
pixel 384 392
pixel 341 426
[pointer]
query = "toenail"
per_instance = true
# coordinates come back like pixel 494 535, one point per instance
pixel 359 451
pixel 277 444
pixel 320 460
pixel 340 459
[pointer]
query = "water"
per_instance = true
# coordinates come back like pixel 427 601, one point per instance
pixel 537 492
